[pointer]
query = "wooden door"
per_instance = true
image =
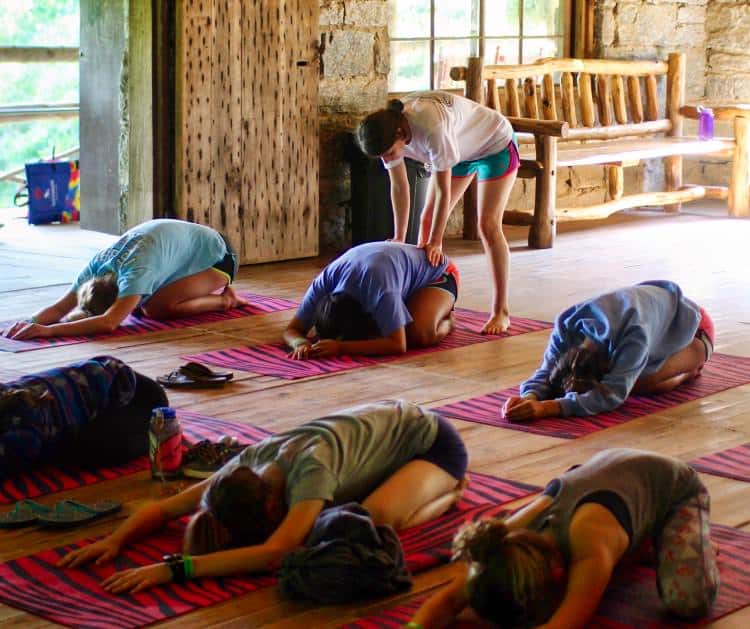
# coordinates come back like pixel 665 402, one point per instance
pixel 247 123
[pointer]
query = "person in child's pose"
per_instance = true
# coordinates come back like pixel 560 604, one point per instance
pixel 459 139
pixel 168 268
pixel 90 413
pixel 549 564
pixel 377 298
pixel 647 338
pixel 404 463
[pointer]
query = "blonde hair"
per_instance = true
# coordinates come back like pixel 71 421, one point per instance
pixel 515 576
pixel 95 297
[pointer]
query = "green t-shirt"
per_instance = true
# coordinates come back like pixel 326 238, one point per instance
pixel 345 457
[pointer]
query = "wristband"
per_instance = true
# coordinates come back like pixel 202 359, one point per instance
pixel 299 342
pixel 412 625
pixel 33 319
pixel 187 560
pixel 176 565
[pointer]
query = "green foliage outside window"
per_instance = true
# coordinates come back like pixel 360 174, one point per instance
pixel 37 23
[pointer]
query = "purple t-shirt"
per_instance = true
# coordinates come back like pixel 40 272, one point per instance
pixel 381 276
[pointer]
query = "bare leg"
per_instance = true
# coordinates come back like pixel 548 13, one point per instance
pixel 678 368
pixel 416 493
pixel 431 308
pixel 493 196
pixel 191 296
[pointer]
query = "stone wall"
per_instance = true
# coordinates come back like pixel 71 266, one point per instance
pixel 354 81
pixel 713 34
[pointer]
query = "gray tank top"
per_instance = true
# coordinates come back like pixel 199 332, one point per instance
pixel 648 484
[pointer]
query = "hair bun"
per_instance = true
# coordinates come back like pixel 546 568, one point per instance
pixel 478 541
pixel 395 105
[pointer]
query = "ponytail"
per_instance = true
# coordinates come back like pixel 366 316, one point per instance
pixel 379 131
pixel 516 579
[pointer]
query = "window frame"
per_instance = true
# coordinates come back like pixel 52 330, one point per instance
pixel 477 42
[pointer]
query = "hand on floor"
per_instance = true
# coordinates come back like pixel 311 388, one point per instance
pixel 302 351
pixel 98 552
pixel 137 579
pixel 517 409
pixel 24 330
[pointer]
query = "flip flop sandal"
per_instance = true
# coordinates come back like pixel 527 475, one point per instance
pixel 70 512
pixel 199 371
pixel 25 513
pixel 177 379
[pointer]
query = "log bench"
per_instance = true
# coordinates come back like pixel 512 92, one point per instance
pixel 602 112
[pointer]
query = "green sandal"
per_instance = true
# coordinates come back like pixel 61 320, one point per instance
pixel 70 512
pixel 25 512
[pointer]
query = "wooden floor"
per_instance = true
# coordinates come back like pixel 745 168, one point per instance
pixel 705 252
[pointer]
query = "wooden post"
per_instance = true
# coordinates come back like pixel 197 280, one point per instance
pixel 511 91
pixel 549 110
pixel 618 99
pixel 676 77
pixel 605 115
pixel 529 98
pixel 634 96
pixel 568 99
pixel 587 100
pixel 474 80
pixel 652 105
pixel 739 187
pixel 542 231
pixel 615 182
pixel 473 92
pixel 493 98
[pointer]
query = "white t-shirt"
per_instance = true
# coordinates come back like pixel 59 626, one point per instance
pixel 447 129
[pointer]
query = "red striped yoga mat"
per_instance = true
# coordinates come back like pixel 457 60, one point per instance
pixel 259 304
pixel 732 463
pixel 74 597
pixel 720 373
pixel 631 600
pixel 272 360
pixel 50 479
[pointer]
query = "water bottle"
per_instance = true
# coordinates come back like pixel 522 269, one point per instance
pixel 705 123
pixel 165 443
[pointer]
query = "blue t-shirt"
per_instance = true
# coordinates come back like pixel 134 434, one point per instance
pixel 154 254
pixel 640 326
pixel 381 276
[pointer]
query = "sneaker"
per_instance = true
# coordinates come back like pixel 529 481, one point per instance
pixel 207 457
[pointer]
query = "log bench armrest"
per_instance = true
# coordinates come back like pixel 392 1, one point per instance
pixel 721 112
pixel 556 128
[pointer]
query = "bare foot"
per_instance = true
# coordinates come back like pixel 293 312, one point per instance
pixel 231 300
pixel 458 492
pixel 496 324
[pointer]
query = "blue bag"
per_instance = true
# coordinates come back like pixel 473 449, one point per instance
pixel 53 192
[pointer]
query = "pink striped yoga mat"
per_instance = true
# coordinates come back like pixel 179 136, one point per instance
pixel 731 463
pixel 75 598
pixel 51 479
pixel 720 373
pixel 631 600
pixel 259 304
pixel 272 360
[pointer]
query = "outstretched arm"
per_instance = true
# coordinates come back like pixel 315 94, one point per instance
pixel 394 343
pixel 47 315
pixel 442 209
pixel 146 520
pixel 290 534
pixel 100 324
pixel 400 200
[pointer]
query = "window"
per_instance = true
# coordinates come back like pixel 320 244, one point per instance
pixel 428 37
pixel 36 23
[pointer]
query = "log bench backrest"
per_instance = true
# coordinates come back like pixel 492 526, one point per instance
pixel 599 98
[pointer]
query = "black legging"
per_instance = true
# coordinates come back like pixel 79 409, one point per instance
pixel 118 433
